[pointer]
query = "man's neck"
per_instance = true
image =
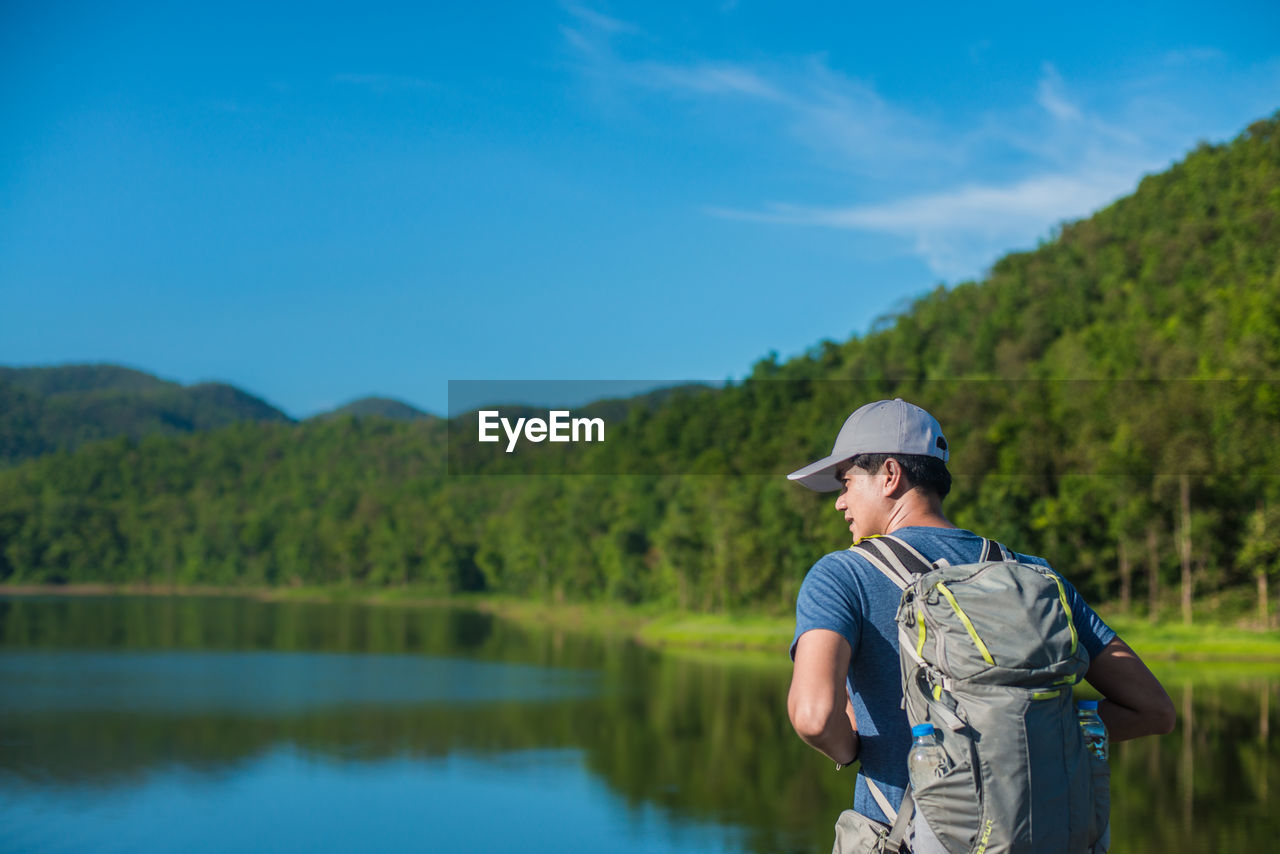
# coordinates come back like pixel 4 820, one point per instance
pixel 917 512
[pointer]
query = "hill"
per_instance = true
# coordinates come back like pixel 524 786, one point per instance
pixel 48 409
pixel 377 407
pixel 65 379
pixel 1111 399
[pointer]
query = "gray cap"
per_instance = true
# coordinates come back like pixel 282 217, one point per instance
pixel 884 427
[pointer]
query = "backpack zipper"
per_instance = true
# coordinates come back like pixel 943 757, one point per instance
pixel 968 624
pixel 935 627
pixel 1071 622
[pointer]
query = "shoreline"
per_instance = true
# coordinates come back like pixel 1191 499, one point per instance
pixel 741 633
pixel 648 625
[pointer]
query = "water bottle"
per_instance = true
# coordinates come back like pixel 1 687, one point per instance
pixel 1095 731
pixel 927 759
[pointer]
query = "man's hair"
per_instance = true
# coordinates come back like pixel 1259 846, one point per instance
pixel 922 472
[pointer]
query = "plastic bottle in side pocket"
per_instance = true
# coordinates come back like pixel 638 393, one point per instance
pixel 926 760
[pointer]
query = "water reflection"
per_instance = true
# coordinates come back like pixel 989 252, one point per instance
pixel 288 800
pixel 1203 788
pixel 703 740
pixel 268 683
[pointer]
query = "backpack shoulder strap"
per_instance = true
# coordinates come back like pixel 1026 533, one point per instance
pixel 884 560
pixel 907 555
pixel 898 832
pixel 901 564
pixel 882 801
pixel 899 818
pixel 895 558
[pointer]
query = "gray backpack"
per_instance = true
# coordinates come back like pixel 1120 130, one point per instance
pixel 989 654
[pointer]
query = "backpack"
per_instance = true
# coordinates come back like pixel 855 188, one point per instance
pixel 989 654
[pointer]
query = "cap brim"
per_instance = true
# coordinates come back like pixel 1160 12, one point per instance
pixel 821 475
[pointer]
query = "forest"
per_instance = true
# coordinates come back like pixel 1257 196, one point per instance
pixel 1112 399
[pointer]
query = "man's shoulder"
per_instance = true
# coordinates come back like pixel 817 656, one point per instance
pixel 1036 559
pixel 844 560
pixel 840 562
pixel 843 567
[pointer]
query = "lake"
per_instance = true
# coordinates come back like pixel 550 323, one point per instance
pixel 213 724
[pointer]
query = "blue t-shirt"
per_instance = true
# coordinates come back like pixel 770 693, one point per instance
pixel 846 594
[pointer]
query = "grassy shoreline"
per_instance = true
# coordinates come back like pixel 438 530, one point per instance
pixel 658 627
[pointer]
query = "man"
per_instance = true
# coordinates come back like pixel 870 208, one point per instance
pixel 889 466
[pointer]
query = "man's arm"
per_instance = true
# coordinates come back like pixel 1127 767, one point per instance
pixel 1135 703
pixel 818 702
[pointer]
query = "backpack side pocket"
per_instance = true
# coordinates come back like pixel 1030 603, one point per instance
pixel 1100 836
pixel 952 807
pixel 857 834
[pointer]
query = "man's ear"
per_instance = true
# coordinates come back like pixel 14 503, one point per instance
pixel 894 481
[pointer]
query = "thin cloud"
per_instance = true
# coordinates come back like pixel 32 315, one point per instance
pixel 839 118
pixel 847 121
pixel 978 50
pixel 599 21
pixel 579 41
pixel 708 79
pixel 1051 96
pixel 959 231
pixel 1043 199
pixel 591 33
pixel 1193 55
pixel 1072 160
pixel 382 83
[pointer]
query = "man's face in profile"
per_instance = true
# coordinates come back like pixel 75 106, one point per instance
pixel 859 501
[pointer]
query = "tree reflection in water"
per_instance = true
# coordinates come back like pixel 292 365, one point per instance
pixel 703 738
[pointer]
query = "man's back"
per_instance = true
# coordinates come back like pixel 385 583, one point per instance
pixel 844 593
pixel 888 468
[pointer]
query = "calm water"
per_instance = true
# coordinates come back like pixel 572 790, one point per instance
pixel 185 724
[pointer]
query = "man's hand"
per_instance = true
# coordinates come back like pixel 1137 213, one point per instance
pixel 1135 703
pixel 818 702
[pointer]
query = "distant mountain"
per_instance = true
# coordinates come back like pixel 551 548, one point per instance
pixel 60 408
pixel 379 407
pixel 62 379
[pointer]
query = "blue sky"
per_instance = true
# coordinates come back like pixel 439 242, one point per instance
pixel 317 202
